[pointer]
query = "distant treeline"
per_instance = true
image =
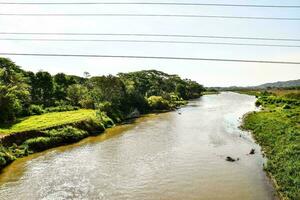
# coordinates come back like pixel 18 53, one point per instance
pixel 287 85
pixel 24 93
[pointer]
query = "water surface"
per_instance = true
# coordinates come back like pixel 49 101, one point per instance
pixel 176 155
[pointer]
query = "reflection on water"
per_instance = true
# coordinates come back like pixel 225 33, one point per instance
pixel 165 156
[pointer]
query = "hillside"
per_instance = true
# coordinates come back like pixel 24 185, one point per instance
pixel 292 84
pixel 281 84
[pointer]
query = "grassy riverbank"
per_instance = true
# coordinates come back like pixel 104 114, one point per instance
pixel 48 120
pixel 37 133
pixel 210 92
pixel 277 129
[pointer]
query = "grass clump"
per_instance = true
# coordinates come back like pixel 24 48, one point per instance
pixel 56 137
pixel 9 154
pixel 68 133
pixel 277 129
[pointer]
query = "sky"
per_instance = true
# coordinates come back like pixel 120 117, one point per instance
pixel 204 72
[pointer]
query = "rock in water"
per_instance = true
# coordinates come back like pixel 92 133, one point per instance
pixel 229 159
pixel 252 151
pixel 134 114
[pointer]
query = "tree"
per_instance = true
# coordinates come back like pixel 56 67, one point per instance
pixel 76 93
pixel 107 88
pixel 194 89
pixel 14 91
pixel 181 90
pixel 86 75
pixel 60 86
pixel 43 88
pixel 111 92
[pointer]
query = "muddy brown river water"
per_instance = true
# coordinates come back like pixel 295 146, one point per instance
pixel 169 156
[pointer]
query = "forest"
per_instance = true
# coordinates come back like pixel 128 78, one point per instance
pixel 24 93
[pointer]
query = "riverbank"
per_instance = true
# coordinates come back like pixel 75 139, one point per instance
pixel 276 128
pixel 37 133
pixel 40 132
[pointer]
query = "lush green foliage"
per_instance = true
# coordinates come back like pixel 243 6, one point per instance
pixel 35 109
pixel 7 155
pixel 61 108
pixel 56 137
pixel 51 138
pixel 277 130
pixel 42 143
pixel 76 93
pixel 14 91
pixel 47 120
pixel 26 93
pixel 158 103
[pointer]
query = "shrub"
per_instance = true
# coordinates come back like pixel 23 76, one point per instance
pixel 176 101
pixel 111 111
pixel 42 143
pixel 61 108
pixel 158 103
pixel 55 137
pixel 108 122
pixel 87 103
pixel 67 134
pixel 92 126
pixel 6 156
pixel 2 160
pixel 258 103
pixel 35 110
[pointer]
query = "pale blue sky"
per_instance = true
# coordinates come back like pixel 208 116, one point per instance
pixel 207 73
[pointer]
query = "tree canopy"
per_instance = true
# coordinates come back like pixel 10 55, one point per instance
pixel 24 93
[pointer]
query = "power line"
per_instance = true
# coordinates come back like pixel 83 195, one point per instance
pixel 152 57
pixel 151 3
pixel 147 15
pixel 153 35
pixel 150 41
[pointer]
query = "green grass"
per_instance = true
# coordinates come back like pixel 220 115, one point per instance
pixel 277 130
pixel 249 92
pixel 210 92
pixel 48 120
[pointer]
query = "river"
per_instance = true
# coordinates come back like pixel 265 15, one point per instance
pixel 178 155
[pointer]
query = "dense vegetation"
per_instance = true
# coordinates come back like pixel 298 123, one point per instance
pixel 277 129
pixel 39 111
pixel 25 93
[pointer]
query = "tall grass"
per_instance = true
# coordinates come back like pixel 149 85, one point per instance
pixel 277 129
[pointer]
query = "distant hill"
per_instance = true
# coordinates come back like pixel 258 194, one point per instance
pixel 292 84
pixel 281 84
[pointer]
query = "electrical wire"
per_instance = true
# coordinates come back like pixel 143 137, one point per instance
pixel 150 41
pixel 153 35
pixel 147 15
pixel 151 3
pixel 152 57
